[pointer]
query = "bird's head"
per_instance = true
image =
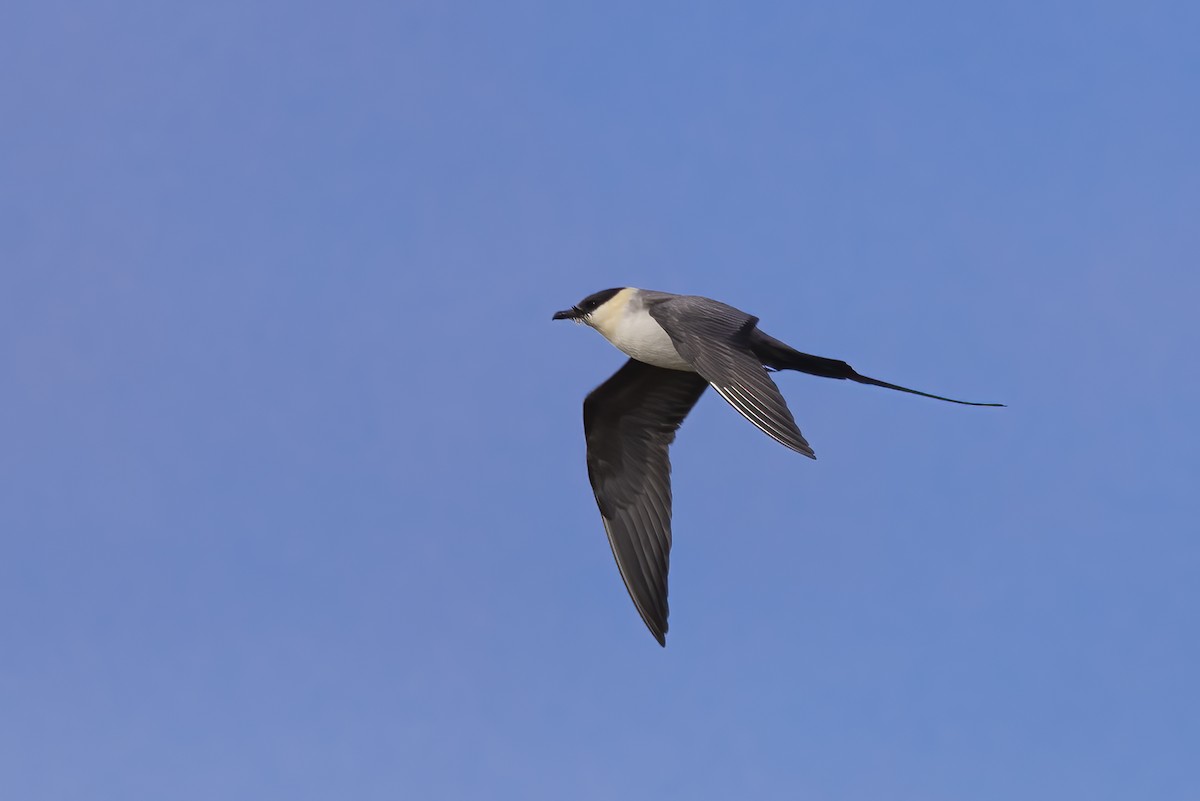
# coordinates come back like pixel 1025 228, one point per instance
pixel 597 308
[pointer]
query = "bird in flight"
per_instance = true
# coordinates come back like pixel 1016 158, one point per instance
pixel 678 345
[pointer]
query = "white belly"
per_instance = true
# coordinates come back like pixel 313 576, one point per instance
pixel 641 337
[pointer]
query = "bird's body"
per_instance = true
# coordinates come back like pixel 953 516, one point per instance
pixel 678 346
pixel 626 322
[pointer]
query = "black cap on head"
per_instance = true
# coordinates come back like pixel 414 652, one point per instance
pixel 597 299
pixel 588 304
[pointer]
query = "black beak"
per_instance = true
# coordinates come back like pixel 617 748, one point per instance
pixel 572 313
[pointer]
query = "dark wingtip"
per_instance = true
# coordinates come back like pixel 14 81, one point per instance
pixel 657 630
pixel 802 447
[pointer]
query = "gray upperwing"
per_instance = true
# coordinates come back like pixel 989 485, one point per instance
pixel 629 422
pixel 715 339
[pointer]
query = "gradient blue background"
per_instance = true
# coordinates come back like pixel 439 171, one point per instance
pixel 292 493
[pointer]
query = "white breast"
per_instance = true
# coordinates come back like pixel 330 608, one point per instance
pixel 640 336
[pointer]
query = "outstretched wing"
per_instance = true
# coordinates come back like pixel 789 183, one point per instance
pixel 629 422
pixel 715 339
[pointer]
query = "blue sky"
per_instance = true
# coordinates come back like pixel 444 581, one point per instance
pixel 292 493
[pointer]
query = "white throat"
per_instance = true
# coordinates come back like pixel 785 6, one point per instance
pixel 625 322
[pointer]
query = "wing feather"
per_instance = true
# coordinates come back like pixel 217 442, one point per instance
pixel 629 422
pixel 715 339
